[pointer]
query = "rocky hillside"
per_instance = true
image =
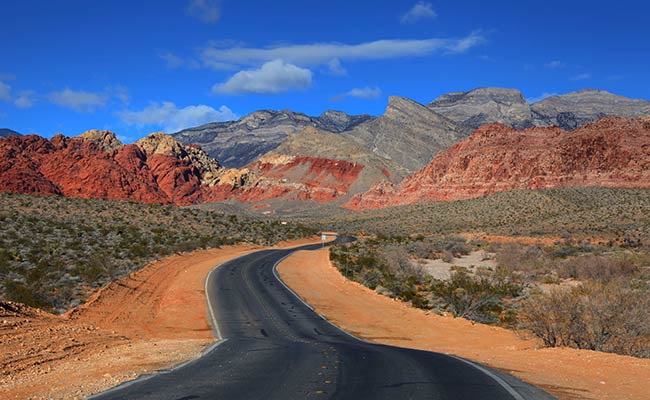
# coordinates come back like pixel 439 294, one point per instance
pixel 408 133
pixel 575 109
pixel 314 143
pixel 5 132
pixel 156 169
pixel 238 143
pixel 612 152
pixel 484 105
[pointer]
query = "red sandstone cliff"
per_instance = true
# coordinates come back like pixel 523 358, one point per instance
pixel 612 152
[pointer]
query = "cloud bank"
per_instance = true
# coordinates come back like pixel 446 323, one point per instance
pixel 310 55
pixel 272 77
pixel 173 119
pixel 78 100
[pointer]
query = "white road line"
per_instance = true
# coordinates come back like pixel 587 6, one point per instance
pixel 498 380
pixel 215 324
pixel 275 273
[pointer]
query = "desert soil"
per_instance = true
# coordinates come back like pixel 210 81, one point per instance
pixel 565 373
pixel 149 321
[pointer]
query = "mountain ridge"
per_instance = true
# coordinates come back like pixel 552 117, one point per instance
pixel 611 152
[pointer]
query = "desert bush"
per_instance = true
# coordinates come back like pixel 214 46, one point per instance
pixel 599 268
pixel 398 262
pixel 479 298
pixel 604 317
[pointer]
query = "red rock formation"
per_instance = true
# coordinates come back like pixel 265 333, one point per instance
pixel 612 152
pixel 70 167
pixel 158 169
pixel 318 179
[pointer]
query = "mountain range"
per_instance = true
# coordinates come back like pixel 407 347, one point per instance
pixel 461 145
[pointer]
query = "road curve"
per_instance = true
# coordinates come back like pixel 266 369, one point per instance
pixel 276 347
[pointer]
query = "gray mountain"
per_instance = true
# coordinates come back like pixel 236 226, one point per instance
pixel 572 110
pixel 408 133
pixel 238 143
pixel 5 132
pixel 485 105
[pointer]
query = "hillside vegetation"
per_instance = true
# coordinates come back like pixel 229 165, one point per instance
pixel 581 212
pixel 54 251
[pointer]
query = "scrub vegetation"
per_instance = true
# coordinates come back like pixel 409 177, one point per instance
pixel 54 251
pixel 581 294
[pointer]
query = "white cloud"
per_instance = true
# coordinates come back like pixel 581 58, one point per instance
pixel 581 77
pixel 121 93
pixel 273 77
pixel 173 61
pixel 336 68
pixel 307 55
pixel 555 64
pixel 80 101
pixel 25 99
pixel 366 93
pixel 205 10
pixel 541 97
pixel 5 92
pixel 173 119
pixel 421 10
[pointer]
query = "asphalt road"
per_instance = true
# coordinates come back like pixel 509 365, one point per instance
pixel 276 347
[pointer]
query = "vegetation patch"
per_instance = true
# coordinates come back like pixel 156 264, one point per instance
pixel 55 251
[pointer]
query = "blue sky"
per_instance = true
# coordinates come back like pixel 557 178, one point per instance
pixel 136 67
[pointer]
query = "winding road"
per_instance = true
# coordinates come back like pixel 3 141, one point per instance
pixel 276 347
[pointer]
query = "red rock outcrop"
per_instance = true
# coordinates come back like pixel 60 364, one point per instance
pixel 612 152
pixel 315 178
pixel 81 167
pixel 71 167
pixel 158 169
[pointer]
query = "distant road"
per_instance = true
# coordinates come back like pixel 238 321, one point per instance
pixel 276 347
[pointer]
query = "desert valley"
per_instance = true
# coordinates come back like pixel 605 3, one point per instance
pixel 475 244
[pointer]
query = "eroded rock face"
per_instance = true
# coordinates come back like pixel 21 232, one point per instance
pixel 612 152
pixel 106 140
pixel 408 133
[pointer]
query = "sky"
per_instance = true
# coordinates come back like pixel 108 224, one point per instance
pixel 135 67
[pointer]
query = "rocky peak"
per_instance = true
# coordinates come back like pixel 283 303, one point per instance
pixel 408 133
pixel 403 108
pixel 106 140
pixel 334 121
pixel 572 110
pixel 480 96
pixel 161 143
pixel 485 105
